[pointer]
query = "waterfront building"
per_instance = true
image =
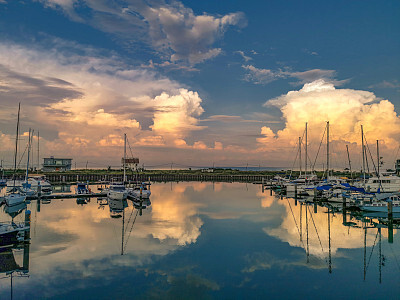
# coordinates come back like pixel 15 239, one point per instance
pixel 53 164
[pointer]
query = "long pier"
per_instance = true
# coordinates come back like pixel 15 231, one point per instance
pixel 65 178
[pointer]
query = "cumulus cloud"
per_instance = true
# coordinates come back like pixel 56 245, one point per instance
pixel 190 37
pixel 171 28
pixel 345 109
pixel 177 114
pixel 93 101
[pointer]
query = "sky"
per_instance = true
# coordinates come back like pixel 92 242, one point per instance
pixel 200 83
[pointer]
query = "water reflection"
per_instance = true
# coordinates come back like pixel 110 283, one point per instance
pixel 218 240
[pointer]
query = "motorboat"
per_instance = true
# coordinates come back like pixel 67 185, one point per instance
pixel 140 191
pixel 117 191
pixel 11 233
pixel 386 181
pixel 117 207
pixel 82 188
pixel 381 204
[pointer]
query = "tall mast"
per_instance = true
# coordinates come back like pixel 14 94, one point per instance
pixel 329 235
pixel 306 154
pixel 377 154
pixel 123 229
pixel 16 143
pixel 327 149
pixel 300 153
pixel 365 248
pixel 124 156
pixel 31 146
pixel 348 157
pixel 29 152
pixel 308 248
pixel 38 162
pixel 363 154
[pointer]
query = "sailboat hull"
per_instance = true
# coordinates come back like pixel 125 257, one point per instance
pixel 14 199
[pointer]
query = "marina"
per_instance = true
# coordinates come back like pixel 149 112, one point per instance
pixel 218 239
pixel 199 149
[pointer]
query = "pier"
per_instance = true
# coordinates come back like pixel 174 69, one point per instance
pixel 101 178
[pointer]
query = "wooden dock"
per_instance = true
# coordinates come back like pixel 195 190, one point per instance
pixel 66 196
pixel 101 179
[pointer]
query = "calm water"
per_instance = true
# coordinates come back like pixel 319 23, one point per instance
pixel 202 240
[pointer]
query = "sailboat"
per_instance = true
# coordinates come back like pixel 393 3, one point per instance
pixel 15 197
pixel 26 186
pixel 3 181
pixel 117 190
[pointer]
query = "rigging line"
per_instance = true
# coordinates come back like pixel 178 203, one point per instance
pixel 133 208
pixel 319 148
pixel 22 156
pixel 369 151
pixel 129 145
pixel 372 250
pixel 397 152
pixel 294 162
pixel 134 220
pixel 319 239
pixel 295 221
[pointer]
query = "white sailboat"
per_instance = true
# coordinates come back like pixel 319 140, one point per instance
pixel 15 197
pixel 117 190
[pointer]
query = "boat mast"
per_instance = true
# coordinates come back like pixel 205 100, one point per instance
pixel 29 152
pixel 348 157
pixel 329 234
pixel 124 156
pixel 380 254
pixel 306 154
pixel 363 154
pixel 16 146
pixel 327 150
pixel 365 247
pixel 308 247
pixel 377 154
pixel 300 154
pixel 123 228
pixel 31 147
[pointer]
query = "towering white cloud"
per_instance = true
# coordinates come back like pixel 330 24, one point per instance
pixel 345 109
pixel 83 104
pixel 177 115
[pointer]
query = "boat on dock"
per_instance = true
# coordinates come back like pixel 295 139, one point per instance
pixel 82 188
pixel 15 197
pixel 34 182
pixel 140 191
pixel 386 181
pixel 381 204
pixel 117 191
pixel 11 233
